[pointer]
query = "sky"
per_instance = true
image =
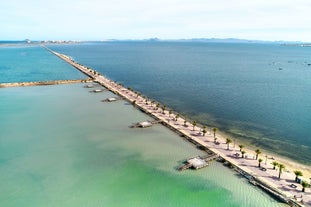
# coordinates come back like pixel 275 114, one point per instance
pixel 288 20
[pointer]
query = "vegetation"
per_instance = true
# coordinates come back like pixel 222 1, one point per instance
pixel 194 123
pixel 214 130
pixel 228 141
pixel 163 109
pixel 204 131
pixel 185 122
pixel 257 151
pixel 304 184
pixel 176 117
pixel 241 147
pixel 243 152
pixel 157 106
pixel 274 163
pixel 297 173
pixel 259 162
pixel 281 167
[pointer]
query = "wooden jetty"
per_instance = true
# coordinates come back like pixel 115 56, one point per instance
pixel 97 90
pixel 198 162
pixel 145 124
pixel 112 99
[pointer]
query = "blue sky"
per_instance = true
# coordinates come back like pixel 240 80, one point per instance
pixel 165 19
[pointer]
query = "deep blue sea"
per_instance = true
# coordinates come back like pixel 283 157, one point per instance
pixel 259 93
pixel 24 63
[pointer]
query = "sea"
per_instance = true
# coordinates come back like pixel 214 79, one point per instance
pixel 62 146
pixel 256 93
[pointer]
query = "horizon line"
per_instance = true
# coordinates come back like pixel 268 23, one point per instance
pixel 230 39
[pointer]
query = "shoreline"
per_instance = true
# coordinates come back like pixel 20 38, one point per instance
pixel 249 165
pixel 43 83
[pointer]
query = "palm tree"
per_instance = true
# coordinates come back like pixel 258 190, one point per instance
pixel 241 147
pixel 275 163
pixel 204 131
pixel 194 123
pixel 281 167
pixel 157 106
pixel 228 141
pixel 163 109
pixel 185 122
pixel 257 151
pixel 215 129
pixel 243 152
pixel 259 162
pixel 304 185
pixel 297 173
pixel 176 117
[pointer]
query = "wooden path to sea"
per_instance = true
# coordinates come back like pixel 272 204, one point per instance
pixel 206 158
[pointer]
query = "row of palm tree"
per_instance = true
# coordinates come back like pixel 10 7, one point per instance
pixel 229 141
pixel 281 167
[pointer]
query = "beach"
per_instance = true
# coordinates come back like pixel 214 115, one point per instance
pixel 248 164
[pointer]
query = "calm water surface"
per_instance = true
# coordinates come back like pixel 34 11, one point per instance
pixel 61 146
pixel 259 93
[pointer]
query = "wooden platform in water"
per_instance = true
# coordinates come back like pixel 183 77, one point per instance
pixel 198 162
pixel 145 124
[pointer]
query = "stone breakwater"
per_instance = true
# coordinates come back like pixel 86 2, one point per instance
pixel 43 83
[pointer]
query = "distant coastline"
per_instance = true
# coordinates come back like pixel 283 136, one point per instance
pixel 207 40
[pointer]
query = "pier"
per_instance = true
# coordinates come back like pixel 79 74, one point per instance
pixel 145 124
pixel 248 166
pixel 198 162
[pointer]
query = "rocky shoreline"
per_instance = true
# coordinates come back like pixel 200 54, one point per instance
pixel 43 83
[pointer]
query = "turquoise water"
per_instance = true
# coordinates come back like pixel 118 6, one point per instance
pixel 22 63
pixel 61 146
pixel 259 93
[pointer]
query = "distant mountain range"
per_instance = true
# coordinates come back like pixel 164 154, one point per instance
pixel 215 40
pixel 211 40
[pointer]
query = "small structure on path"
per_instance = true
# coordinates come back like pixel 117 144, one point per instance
pixel 89 86
pixel 198 162
pixel 111 99
pixel 144 124
pixel 97 90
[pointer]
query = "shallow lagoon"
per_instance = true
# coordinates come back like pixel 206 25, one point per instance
pixel 61 146
pixel 24 63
